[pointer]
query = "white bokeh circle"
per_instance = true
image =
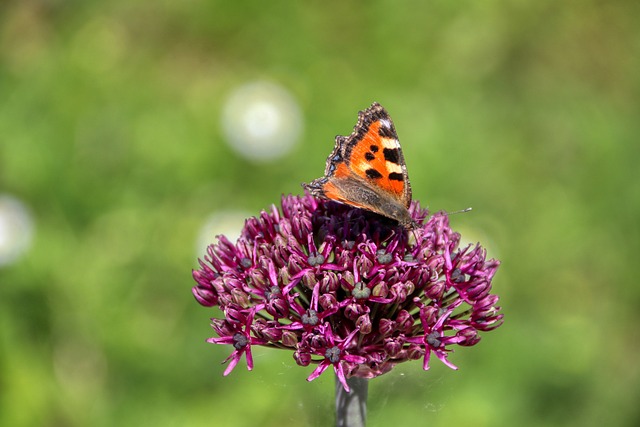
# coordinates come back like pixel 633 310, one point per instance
pixel 16 229
pixel 261 121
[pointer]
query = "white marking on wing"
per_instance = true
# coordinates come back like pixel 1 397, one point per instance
pixel 390 143
pixel 392 167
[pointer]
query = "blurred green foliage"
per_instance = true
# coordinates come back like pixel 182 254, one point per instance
pixel 110 133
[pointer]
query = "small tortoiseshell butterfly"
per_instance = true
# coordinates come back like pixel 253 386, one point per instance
pixel 367 169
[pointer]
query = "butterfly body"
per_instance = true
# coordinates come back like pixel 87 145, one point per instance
pixel 367 169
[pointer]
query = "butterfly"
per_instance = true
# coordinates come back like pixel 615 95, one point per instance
pixel 367 169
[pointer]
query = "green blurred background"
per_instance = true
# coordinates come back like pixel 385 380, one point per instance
pixel 112 136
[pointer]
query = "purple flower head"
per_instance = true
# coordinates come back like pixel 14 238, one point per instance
pixel 346 288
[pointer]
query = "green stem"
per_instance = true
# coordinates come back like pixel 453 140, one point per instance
pixel 351 408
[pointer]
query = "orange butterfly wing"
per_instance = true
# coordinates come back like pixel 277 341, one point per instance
pixel 367 168
pixel 375 154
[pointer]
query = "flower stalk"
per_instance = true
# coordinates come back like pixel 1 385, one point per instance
pixel 351 406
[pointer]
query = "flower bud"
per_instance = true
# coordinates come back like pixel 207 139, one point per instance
pixel 404 321
pixel 470 336
pixel 381 290
pixel 309 279
pixel 364 323
pixel 302 359
pixel 386 327
pixel 435 290
pixel 329 283
pixel 278 308
pixel 392 346
pixel 241 298
pixel 289 338
pixel 415 352
pixel 328 301
pixel 205 297
pixel 234 315
pixel 354 310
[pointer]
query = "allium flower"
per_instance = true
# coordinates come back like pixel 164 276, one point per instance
pixel 346 288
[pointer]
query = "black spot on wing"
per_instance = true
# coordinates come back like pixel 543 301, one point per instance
pixel 392 155
pixel 373 174
pixel 395 176
pixel 369 156
pixel 374 148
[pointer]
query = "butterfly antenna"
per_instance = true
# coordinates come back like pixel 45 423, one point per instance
pixel 457 212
